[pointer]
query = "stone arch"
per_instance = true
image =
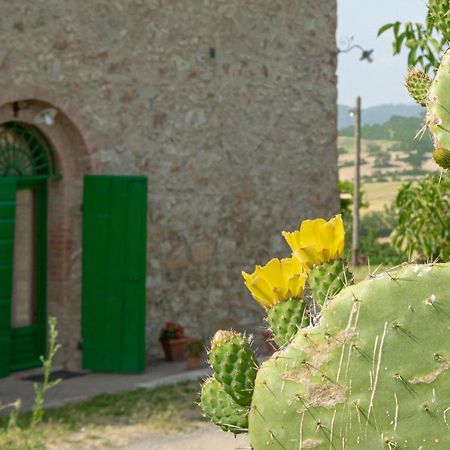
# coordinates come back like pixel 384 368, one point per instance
pixel 69 139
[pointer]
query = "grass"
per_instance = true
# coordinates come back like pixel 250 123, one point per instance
pixel 108 419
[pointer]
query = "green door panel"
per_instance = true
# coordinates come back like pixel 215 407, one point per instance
pixel 114 273
pixel 28 342
pixel 7 216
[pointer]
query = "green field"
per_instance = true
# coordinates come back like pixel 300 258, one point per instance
pixel 385 165
pixel 380 195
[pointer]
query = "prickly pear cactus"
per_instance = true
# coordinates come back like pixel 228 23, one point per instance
pixel 434 94
pixel 438 115
pixel 374 374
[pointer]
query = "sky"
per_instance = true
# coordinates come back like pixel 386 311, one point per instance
pixel 382 81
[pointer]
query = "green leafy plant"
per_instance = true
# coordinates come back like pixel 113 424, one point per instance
pixel 28 438
pixel 375 227
pixel 47 363
pixel 424 42
pixel 423 210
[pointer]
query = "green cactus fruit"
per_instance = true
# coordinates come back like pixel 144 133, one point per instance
pixel 234 364
pixel 438 105
pixel 373 374
pixel 328 279
pixel 286 318
pixel 442 158
pixel 221 409
pixel 418 82
pixel 439 13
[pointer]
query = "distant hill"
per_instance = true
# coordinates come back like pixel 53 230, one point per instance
pixel 377 114
pixel 397 128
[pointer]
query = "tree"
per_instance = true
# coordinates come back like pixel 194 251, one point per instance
pixel 425 42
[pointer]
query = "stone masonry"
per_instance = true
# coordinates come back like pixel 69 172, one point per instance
pixel 229 108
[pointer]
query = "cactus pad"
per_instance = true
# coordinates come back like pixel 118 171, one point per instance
pixel 221 409
pixel 286 318
pixel 438 116
pixel 327 280
pixel 234 365
pixel 418 82
pixel 374 374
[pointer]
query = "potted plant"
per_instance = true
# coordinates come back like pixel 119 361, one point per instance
pixel 173 341
pixel 194 353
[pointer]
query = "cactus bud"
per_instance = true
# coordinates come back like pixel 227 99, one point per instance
pixel 418 82
pixel 442 157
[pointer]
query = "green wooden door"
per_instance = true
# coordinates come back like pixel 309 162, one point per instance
pixel 23 212
pixel 28 315
pixel 26 163
pixel 7 215
pixel 114 273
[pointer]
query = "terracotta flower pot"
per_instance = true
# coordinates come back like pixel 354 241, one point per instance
pixel 174 350
pixel 194 362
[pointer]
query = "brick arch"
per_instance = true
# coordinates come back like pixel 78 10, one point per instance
pixel 70 139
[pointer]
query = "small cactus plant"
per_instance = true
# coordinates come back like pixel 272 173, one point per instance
pixel 434 94
pixel 372 371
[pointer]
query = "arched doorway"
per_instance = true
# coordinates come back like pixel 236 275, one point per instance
pixel 26 164
pixel 52 189
pixel 67 137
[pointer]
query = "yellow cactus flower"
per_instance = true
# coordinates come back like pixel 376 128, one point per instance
pixel 317 241
pixel 277 281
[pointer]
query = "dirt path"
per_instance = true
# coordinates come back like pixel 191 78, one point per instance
pixel 207 437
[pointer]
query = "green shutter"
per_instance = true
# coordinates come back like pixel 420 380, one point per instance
pixel 114 273
pixel 7 217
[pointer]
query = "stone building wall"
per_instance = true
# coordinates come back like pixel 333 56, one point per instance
pixel 229 108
